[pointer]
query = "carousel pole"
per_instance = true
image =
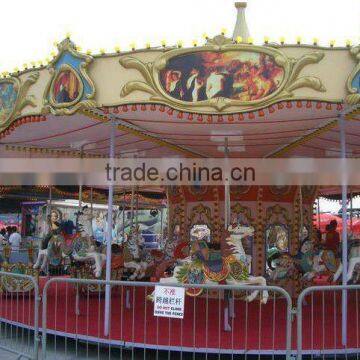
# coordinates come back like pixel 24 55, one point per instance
pixel 351 212
pixel 344 239
pixel 318 212
pixel 137 207
pixel 77 297
pixel 109 237
pixel 161 223
pixel 132 206
pixel 229 307
pixel 48 213
pixel 227 192
pixel 80 190
pixel 301 214
pixel 50 200
pixel 123 214
pixel 91 209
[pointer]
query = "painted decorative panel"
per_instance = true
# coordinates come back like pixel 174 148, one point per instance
pixel 221 74
pixel 70 87
pixel 14 97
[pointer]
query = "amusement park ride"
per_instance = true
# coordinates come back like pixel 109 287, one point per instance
pixel 263 101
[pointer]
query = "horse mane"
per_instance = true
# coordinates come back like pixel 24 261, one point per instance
pixel 234 246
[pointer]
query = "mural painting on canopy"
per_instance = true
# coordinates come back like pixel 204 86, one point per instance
pixel 66 88
pixel 244 76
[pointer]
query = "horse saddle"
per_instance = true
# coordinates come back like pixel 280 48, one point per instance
pixel 215 261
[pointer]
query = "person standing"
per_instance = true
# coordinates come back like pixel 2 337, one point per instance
pixel 332 238
pixel 14 239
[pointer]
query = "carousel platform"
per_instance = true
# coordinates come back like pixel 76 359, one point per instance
pixel 255 329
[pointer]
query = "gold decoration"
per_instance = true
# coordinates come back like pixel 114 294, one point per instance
pixel 200 214
pixel 277 214
pixel 6 253
pixel 238 209
pixel 291 81
pixel 82 100
pixel 354 97
pixel 22 100
pixel 13 284
pixel 31 251
pixel 238 270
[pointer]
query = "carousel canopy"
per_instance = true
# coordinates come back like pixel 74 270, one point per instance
pixel 273 100
pixel 144 198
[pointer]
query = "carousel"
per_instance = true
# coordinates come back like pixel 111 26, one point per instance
pixel 228 98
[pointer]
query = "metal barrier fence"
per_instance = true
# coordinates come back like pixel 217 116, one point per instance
pixel 218 322
pixel 319 321
pixel 19 315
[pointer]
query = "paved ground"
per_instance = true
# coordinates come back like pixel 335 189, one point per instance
pixel 60 349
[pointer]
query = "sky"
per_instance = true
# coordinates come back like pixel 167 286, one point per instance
pixel 30 28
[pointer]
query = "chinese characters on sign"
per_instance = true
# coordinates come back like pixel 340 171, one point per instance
pixel 169 301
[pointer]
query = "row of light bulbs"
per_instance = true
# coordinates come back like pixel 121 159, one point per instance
pixel 179 44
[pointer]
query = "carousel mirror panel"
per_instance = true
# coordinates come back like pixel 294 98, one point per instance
pixel 277 243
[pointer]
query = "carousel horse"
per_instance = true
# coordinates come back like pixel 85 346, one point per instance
pixel 354 263
pixel 135 256
pixel 149 263
pixel 309 263
pixel 58 244
pixel 207 266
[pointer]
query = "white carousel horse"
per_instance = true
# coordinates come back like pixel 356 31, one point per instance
pixel 237 233
pixel 234 241
pixel 354 262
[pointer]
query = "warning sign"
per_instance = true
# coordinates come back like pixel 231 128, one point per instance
pixel 169 302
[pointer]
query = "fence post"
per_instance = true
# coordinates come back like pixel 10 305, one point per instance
pixel 36 312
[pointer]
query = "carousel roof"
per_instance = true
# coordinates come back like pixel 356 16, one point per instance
pixel 282 101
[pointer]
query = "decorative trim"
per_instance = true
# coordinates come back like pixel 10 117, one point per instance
pixel 238 209
pixel 19 122
pixel 218 223
pixel 259 243
pixel 200 210
pixel 277 211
